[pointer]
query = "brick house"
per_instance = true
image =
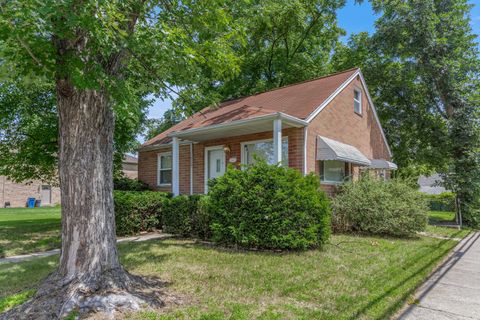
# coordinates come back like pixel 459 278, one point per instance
pixel 15 194
pixel 328 126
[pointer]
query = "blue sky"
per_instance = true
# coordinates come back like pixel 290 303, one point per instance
pixel 353 18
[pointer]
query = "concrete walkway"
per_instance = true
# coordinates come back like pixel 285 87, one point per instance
pixel 30 256
pixel 453 291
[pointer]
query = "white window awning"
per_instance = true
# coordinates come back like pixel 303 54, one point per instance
pixel 383 164
pixel 329 149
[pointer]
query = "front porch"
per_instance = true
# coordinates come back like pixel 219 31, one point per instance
pixel 277 136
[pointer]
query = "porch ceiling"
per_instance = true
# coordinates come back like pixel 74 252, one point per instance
pixel 238 128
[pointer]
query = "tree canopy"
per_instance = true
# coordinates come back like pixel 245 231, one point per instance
pixel 281 42
pixel 423 68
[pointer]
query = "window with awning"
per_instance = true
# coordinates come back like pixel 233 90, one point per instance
pixel 332 150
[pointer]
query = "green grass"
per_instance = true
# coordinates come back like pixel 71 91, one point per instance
pixel 24 230
pixel 435 217
pixel 438 218
pixel 352 278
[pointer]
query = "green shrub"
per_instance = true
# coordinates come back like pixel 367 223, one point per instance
pixel 138 211
pixel 187 216
pixel 441 202
pixel 127 184
pixel 379 207
pixel 268 207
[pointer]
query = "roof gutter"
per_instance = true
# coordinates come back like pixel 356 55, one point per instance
pixel 278 115
pixel 163 145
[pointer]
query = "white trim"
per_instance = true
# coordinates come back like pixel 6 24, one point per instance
pixel 191 168
pixel 276 115
pixel 374 112
pixel 331 97
pixel 163 145
pixel 219 147
pixel 359 91
pixel 333 182
pixel 159 155
pixel 277 141
pixel 338 90
pixel 175 166
pixel 305 136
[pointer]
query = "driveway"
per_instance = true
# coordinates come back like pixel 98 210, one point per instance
pixel 453 291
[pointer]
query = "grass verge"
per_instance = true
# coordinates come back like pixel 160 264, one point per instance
pixel 24 230
pixel 354 277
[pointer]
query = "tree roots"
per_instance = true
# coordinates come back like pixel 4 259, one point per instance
pixel 115 290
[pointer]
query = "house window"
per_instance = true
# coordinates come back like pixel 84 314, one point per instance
pixel 263 150
pixel 164 169
pixel 334 171
pixel 357 101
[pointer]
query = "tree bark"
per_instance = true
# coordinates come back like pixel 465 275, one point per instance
pixel 86 182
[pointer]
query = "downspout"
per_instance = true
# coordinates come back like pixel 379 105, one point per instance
pixel 191 168
pixel 305 135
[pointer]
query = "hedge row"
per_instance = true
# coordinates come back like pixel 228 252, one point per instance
pixel 263 207
pixel 149 210
pixel 441 202
pixel 137 211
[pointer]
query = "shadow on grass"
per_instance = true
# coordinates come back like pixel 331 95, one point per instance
pixel 33 225
pixel 424 267
pixel 26 236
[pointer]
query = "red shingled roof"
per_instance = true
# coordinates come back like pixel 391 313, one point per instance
pixel 298 100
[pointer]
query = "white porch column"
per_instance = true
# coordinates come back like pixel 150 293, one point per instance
pixel 277 141
pixel 175 165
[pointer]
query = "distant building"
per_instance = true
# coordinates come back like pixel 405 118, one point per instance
pixel 16 194
pixel 130 166
pixel 432 184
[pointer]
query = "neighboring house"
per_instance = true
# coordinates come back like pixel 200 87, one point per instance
pixel 16 194
pixel 432 184
pixel 328 126
pixel 130 166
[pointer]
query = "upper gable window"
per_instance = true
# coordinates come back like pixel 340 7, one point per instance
pixel 357 101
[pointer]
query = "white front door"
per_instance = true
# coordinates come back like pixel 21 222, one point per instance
pixel 215 166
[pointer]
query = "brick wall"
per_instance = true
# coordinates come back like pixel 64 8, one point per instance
pixel 338 121
pixel 147 160
pixel 18 193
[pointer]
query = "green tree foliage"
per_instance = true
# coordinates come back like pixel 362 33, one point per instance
pixel 29 130
pixel 423 68
pixel 283 42
pixel 169 44
pixel 156 126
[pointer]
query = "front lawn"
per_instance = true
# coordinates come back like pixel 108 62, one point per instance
pixel 25 230
pixel 436 217
pixel 353 277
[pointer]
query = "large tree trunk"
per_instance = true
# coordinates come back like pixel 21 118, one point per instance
pixel 85 171
pixel 89 276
